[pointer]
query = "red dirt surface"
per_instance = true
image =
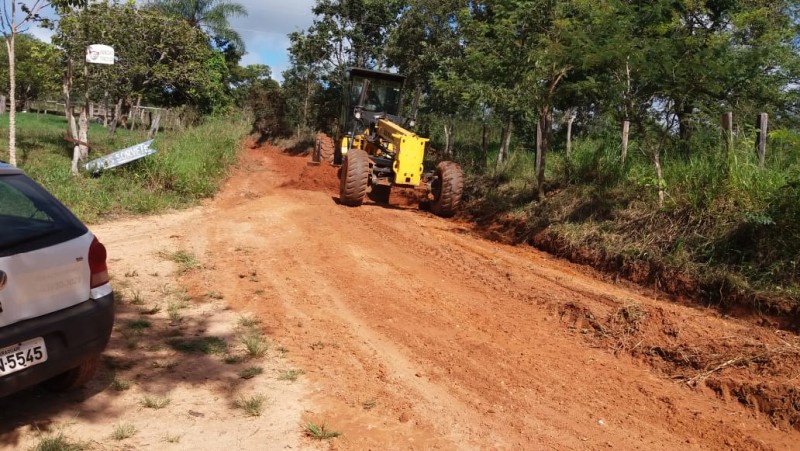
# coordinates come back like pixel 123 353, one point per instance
pixel 420 334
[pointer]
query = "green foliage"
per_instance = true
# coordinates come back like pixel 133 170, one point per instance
pixel 211 15
pixel 268 105
pixel 202 345
pixel 35 77
pixel 169 63
pixel 187 167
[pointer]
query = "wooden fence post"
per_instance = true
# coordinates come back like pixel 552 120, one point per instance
pixel 727 130
pixel 761 142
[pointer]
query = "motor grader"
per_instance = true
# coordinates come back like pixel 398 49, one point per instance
pixel 376 149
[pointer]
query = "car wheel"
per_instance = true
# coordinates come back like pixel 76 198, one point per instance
pixel 76 377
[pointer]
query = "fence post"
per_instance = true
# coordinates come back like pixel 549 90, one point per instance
pixel 761 142
pixel 727 130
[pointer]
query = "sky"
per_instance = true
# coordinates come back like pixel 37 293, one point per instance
pixel 266 27
pixel 264 30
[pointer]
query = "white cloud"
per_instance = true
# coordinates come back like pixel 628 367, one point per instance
pixel 266 27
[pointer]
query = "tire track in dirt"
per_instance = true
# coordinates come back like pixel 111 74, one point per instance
pixel 419 335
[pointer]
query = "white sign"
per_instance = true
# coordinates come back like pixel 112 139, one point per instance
pixel 120 157
pixel 100 54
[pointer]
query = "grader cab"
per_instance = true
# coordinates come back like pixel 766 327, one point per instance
pixel 376 149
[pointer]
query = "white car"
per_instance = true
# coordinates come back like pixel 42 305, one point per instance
pixel 56 302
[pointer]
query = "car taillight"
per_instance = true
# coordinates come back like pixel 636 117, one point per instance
pixel 97 264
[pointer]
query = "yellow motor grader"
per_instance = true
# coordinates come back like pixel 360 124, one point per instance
pixel 376 149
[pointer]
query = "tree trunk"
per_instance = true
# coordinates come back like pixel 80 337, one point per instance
pixel 543 143
pixel 761 144
pixel 133 112
pixel 154 126
pixel 12 112
pixel 448 137
pixel 305 107
pixel 105 109
pixel 570 120
pixel 3 100
pixel 485 141
pixel 626 130
pixel 660 176
pixel 117 117
pixel 81 151
pixel 727 131
pixel 505 141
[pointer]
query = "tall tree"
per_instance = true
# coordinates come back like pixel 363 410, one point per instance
pixel 12 23
pixel 36 70
pixel 211 16
pixel 169 64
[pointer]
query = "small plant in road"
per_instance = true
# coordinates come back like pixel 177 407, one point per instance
pixel 320 432
pixel 252 406
pixel 123 431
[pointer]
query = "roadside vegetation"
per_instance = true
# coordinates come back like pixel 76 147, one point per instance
pixel 619 134
pixel 188 166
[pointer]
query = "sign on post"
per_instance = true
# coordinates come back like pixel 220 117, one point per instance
pixel 120 157
pixel 100 54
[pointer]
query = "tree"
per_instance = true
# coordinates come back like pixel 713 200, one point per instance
pixel 35 63
pixel 169 64
pixel 210 16
pixel 425 46
pixel 244 79
pixel 12 24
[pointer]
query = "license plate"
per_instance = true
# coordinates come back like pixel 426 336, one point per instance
pixel 22 355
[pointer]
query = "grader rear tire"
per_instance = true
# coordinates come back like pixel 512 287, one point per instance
pixel 447 188
pixel 354 178
pixel 323 146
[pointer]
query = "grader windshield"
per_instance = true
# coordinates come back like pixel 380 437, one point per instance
pixel 383 94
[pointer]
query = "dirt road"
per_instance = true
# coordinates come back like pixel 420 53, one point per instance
pixel 413 332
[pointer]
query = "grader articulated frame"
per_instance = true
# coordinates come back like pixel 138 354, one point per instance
pixel 376 149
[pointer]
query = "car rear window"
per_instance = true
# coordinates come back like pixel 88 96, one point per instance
pixel 30 218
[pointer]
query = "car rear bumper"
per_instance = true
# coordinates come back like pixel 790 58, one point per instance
pixel 71 335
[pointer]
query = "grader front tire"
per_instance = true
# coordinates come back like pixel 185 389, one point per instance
pixel 355 178
pixel 447 189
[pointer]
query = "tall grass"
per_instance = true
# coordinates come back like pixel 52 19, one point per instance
pixel 188 165
pixel 724 217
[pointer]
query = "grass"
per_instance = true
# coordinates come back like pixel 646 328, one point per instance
pixel 171 438
pixel 154 402
pixel 138 324
pixel 291 375
pixel 189 165
pixel 231 359
pixel 253 406
pixel 255 344
pixel 123 431
pixel 185 260
pixel 174 310
pixel 58 442
pixel 249 373
pixel 200 345
pixel 249 321
pixel 320 431
pixel 120 384
pixel 137 298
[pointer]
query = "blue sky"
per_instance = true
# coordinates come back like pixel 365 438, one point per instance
pixel 264 30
